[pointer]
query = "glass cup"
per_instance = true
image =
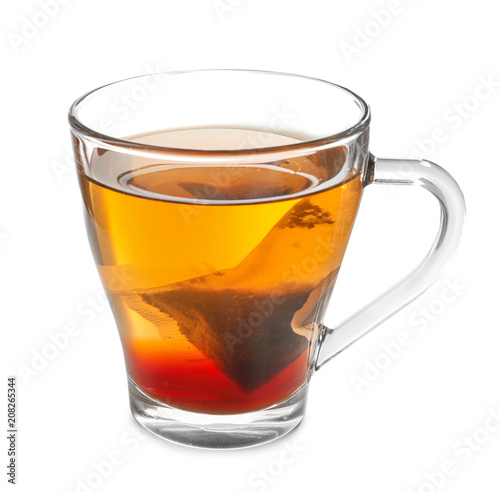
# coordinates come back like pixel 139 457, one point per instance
pixel 218 205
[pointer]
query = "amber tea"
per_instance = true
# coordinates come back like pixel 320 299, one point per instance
pixel 218 299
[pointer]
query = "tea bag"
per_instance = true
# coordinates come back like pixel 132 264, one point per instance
pixel 248 337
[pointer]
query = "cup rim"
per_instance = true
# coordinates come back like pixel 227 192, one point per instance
pixel 360 126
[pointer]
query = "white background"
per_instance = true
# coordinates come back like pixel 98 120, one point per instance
pixel 389 434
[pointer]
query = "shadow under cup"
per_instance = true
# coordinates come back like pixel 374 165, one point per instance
pixel 218 210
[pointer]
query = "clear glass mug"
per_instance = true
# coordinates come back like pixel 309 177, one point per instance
pixel 218 205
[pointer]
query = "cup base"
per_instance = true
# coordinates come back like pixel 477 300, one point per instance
pixel 217 431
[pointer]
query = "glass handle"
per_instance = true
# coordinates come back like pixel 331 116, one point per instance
pixel 439 182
